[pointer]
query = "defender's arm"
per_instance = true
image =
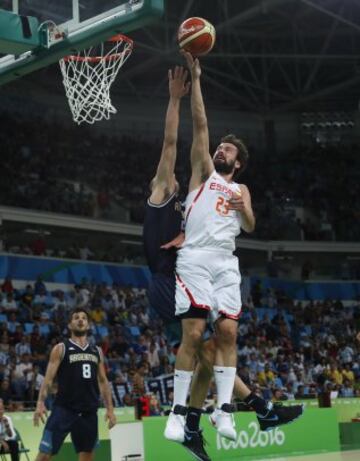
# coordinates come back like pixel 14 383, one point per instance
pixel 163 184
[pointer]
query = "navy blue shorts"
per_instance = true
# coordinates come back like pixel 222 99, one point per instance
pixel 161 294
pixel 83 428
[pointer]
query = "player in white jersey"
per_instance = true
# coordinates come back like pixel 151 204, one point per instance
pixel 208 280
pixel 207 273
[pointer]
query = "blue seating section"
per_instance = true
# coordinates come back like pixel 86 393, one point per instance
pixel 307 291
pixel 71 271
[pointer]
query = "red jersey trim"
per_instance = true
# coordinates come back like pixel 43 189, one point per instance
pixel 190 296
pixel 194 201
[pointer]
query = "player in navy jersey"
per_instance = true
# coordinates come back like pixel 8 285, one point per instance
pixel 80 373
pixel 163 214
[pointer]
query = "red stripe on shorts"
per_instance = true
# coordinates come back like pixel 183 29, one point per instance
pixel 194 201
pixel 190 296
pixel 229 316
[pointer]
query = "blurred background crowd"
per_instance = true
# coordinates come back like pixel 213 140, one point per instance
pixel 48 166
pixel 286 349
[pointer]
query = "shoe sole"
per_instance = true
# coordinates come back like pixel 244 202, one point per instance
pixel 285 424
pixel 213 423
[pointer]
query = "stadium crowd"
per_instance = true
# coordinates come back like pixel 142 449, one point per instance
pixel 47 166
pixel 286 349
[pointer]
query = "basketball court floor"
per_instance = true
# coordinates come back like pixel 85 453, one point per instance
pixel 338 456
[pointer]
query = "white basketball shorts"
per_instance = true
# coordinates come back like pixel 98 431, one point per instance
pixel 208 279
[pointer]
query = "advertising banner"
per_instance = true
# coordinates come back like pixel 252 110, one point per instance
pixel 317 431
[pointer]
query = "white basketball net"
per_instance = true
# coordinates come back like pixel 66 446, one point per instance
pixel 88 77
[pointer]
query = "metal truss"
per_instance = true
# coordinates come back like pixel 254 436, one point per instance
pixel 271 55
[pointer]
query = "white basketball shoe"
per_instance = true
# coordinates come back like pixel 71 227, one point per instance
pixel 223 420
pixel 175 424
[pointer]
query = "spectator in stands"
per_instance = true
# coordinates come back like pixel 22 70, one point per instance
pixel 38 246
pixel 5 392
pixel 9 304
pixel 155 407
pixel 35 380
pixel 7 286
pixel 39 286
pixel 98 315
pixel 23 347
pixel 8 442
pixel 153 358
pixel 28 296
pixel 348 374
pixel 347 390
pixel 19 379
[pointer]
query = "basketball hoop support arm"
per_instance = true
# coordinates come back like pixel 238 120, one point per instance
pixel 80 39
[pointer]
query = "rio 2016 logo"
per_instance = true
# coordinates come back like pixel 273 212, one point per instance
pixel 252 438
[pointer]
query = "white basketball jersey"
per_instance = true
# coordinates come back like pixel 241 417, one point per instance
pixel 208 221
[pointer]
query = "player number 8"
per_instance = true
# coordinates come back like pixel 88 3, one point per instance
pixel 86 370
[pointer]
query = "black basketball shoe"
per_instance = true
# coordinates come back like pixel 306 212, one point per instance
pixel 279 415
pixel 194 442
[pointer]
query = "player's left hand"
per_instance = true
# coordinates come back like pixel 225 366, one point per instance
pixel 175 243
pixel 178 86
pixel 237 202
pixel 110 418
pixel 358 336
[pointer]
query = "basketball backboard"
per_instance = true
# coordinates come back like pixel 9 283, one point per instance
pixel 83 22
pixel 73 14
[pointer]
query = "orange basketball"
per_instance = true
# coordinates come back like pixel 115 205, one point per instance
pixel 197 36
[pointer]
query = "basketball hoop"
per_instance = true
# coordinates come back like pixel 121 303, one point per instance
pixel 88 76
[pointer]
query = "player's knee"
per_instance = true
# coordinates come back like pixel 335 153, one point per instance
pixel 193 338
pixel 227 335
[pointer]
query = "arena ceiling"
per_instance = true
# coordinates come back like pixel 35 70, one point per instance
pixel 270 55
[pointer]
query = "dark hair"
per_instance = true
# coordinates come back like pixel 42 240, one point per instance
pixel 77 310
pixel 243 154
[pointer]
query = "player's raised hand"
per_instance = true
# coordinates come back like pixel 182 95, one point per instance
pixel 178 86
pixel 193 64
pixel 110 418
pixel 40 414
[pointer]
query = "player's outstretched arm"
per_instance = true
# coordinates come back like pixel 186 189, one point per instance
pixel 56 355
pixel 201 162
pixel 163 185
pixel 106 395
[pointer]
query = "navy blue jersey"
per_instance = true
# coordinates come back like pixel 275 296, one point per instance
pixel 77 377
pixel 161 225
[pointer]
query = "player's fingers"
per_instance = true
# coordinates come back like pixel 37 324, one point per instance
pixel 189 58
pixel 187 87
pixel 170 74
pixel 176 73
pixel 184 75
